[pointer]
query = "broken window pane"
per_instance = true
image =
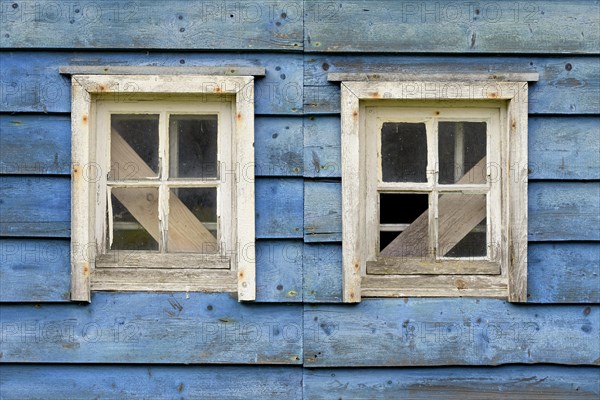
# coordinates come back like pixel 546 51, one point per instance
pixel 193 146
pixel 134 146
pixel 462 151
pixel 462 225
pixel 404 152
pixel 404 224
pixel 193 220
pixel 135 219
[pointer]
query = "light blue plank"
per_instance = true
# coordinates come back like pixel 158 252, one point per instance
pixel 278 146
pixel 322 273
pixel 563 273
pixel 31 82
pixel 514 382
pixel 279 271
pixel 279 211
pixel 31 206
pixel 34 270
pixel 567 85
pixel 322 211
pixel 66 382
pixel 147 328
pixel 458 331
pixel 243 25
pixel 449 27
pixel 322 141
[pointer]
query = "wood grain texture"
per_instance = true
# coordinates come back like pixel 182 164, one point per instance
pixel 513 382
pixel 117 328
pixel 322 143
pixel 567 85
pixel 72 382
pixel 322 269
pixel 278 147
pixel 278 271
pixel 279 212
pixel 449 27
pixel 419 332
pixel 33 82
pixel 245 25
pixel 322 211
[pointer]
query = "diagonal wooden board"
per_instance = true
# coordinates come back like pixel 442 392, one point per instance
pixel 458 215
pixel 186 232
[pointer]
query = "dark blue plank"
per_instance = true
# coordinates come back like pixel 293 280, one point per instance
pixel 567 85
pixel 322 273
pixel 279 211
pixel 279 271
pixel 514 382
pixel 34 270
pixel 32 206
pixel 322 141
pixel 178 24
pixel 278 146
pixel 66 382
pixel 31 82
pixel 447 26
pixel 457 331
pixel 116 328
pixel 322 211
pixel 563 273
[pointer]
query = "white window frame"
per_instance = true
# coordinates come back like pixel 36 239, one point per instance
pixel 87 195
pixel 508 93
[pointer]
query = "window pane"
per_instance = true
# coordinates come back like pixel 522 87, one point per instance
pixel 462 149
pixel 403 152
pixel 462 225
pixel 134 146
pixel 403 225
pixel 193 146
pixel 193 220
pixel 135 219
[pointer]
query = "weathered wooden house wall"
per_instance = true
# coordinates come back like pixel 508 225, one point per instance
pixel 296 341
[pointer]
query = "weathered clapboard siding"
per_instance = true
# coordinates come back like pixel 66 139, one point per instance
pixel 458 331
pixel 557 272
pixel 243 25
pixel 322 154
pixel 40 206
pixel 567 85
pixel 279 271
pixel 505 382
pixel 195 328
pixel 34 270
pixel 557 211
pixel 449 27
pixel 72 382
pixel 563 273
pixel 31 81
pixel 278 145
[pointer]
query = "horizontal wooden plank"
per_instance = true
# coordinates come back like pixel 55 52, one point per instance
pixel 322 154
pixel 322 211
pixel 459 331
pixel 244 25
pixel 278 146
pixel 322 273
pixel 450 27
pixel 153 70
pixel 35 206
pixel 279 212
pixel 71 382
pixel 464 76
pixel 132 259
pixel 563 273
pixel 516 382
pixel 567 85
pixel 411 266
pixel 564 147
pixel 32 82
pixel 34 270
pixel 147 328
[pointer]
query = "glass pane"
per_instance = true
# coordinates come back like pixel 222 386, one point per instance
pixel 403 224
pixel 193 146
pixel 404 152
pixel 193 220
pixel 462 225
pixel 462 147
pixel 135 219
pixel 134 146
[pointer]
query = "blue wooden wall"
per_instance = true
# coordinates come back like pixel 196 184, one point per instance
pixel 297 341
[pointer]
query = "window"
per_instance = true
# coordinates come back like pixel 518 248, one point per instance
pixel 440 166
pixel 163 184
